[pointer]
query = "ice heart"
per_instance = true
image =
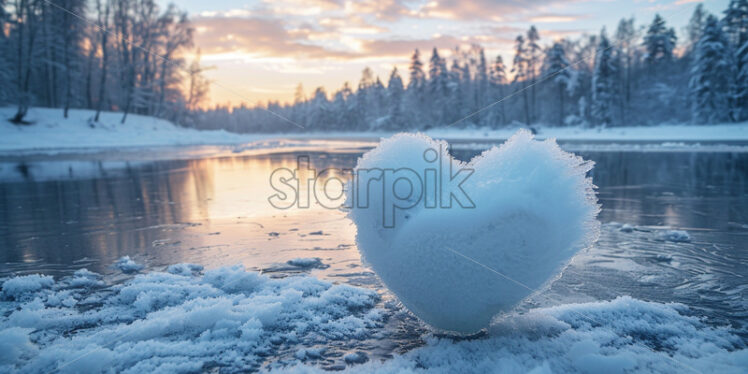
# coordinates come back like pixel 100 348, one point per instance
pixel 457 266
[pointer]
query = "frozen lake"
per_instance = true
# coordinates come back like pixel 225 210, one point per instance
pixel 208 206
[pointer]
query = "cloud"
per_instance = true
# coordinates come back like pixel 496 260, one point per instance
pixel 557 18
pixel 388 10
pixel 258 37
pixel 494 10
pixel 405 47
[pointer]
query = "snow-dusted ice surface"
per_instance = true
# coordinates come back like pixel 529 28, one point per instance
pixel 176 321
pixel 529 207
pixel 235 320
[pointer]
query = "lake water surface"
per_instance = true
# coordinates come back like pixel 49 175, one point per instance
pixel 209 206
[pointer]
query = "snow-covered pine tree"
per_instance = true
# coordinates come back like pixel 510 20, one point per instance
pixel 457 85
pixel 498 80
pixel 625 40
pixel 533 65
pixel 320 111
pixel 710 75
pixel 378 104
pixel 395 94
pixel 603 83
pixel 481 85
pixel 415 95
pixel 519 68
pixel 736 27
pixel 343 108
pixel 437 88
pixel 659 41
pixel 364 100
pixel 695 27
pixel 557 68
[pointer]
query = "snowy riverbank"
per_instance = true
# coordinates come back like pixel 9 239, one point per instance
pixel 49 132
pixel 187 320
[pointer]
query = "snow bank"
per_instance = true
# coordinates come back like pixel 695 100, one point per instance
pixel 623 335
pixel 17 288
pixel 664 133
pixel 174 321
pixel 527 208
pixel 232 320
pixel 50 130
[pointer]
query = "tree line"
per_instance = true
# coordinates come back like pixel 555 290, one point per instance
pixel 120 55
pixel 634 75
pixel 129 56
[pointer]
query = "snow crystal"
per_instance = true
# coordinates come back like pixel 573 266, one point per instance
pixel 176 321
pixel 127 265
pixel 456 266
pixel 674 236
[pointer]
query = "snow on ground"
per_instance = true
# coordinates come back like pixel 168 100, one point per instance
pixel 622 335
pixel 231 320
pixel 50 131
pixel 664 133
pixel 173 321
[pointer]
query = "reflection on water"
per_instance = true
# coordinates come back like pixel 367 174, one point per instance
pixel 208 210
pixel 57 216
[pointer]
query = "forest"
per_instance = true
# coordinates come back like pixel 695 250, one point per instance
pixel 111 55
pixel 129 56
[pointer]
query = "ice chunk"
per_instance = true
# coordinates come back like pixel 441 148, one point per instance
pixel 184 269
pixel 626 228
pixel 127 265
pixel 307 262
pixel 84 278
pixel 16 288
pixel 522 211
pixel 674 236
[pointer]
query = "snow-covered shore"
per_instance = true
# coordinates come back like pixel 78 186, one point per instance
pixel 185 319
pixel 49 131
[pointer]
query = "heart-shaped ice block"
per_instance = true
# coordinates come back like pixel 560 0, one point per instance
pixel 458 254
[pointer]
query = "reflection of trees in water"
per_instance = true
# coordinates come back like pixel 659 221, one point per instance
pixel 122 208
pixel 672 188
pixel 105 210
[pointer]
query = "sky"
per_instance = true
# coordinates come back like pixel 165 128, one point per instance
pixel 261 50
